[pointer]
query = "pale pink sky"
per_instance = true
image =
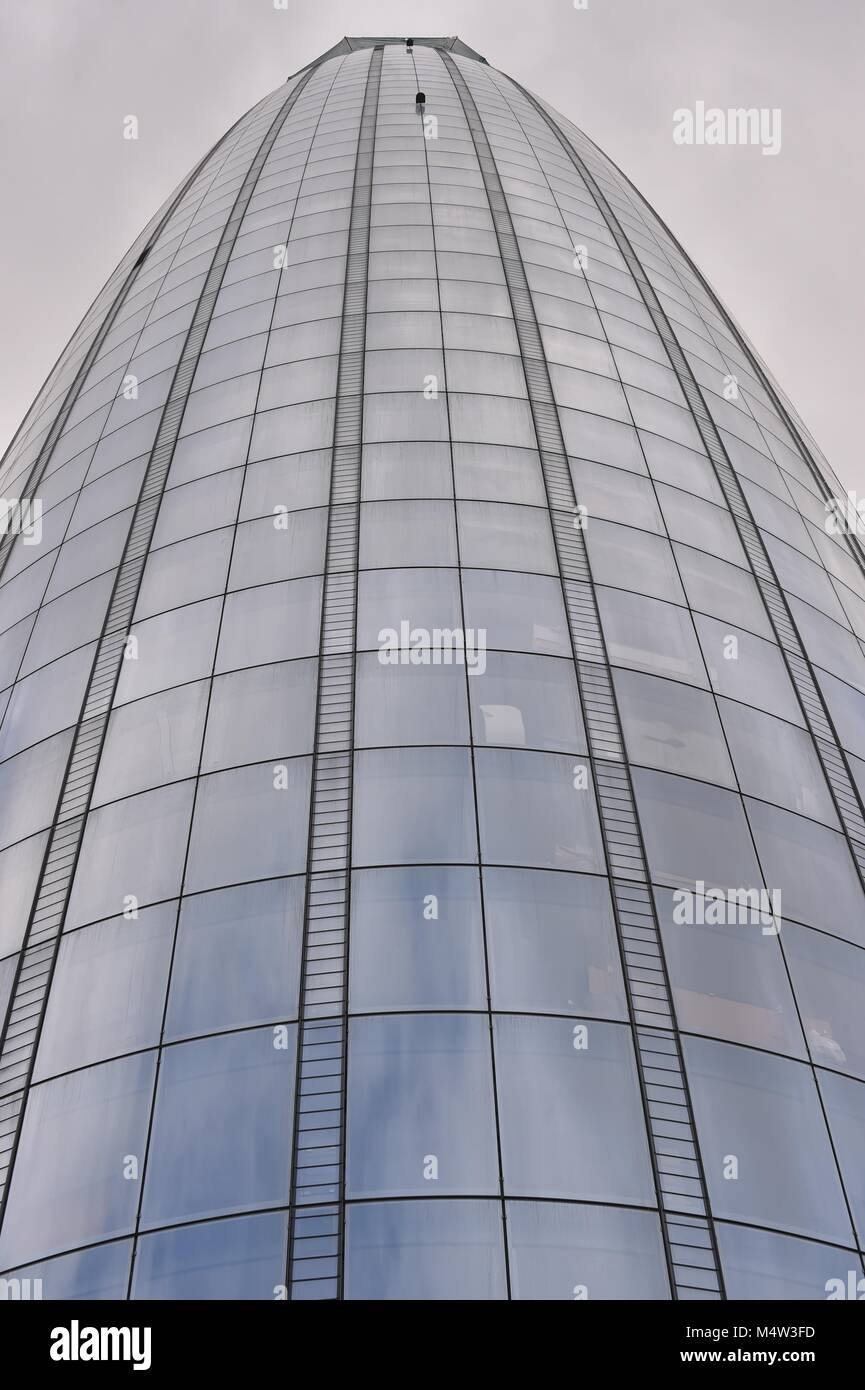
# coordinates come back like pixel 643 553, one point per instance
pixel 779 238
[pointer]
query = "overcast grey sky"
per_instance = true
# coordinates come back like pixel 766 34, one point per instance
pixel 779 238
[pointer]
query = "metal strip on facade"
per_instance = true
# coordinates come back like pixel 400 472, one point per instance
pixel 761 374
pixel 43 458
pixel 818 720
pixel 19 1040
pixel 682 1197
pixel 318 1159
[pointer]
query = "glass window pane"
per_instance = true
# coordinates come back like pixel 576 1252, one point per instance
pixel 527 702
pixel 537 809
pixel 416 940
pixel 570 1112
pixel 517 612
pixel 829 980
pixel 243 1258
pixel 100 1272
pixel 276 622
pixel 694 832
pixel 19 869
pixel 765 1267
pixel 673 727
pixel 212 1097
pixel 777 762
pixel 152 741
pixel 425 598
pixel 265 711
pixel 722 590
pixel 651 636
pixel 237 958
pixel 631 559
pixel 407 533
pixel 420 1106
pixel 413 805
pixel 131 849
pixel 184 573
pixel 552 944
pixel 748 669
pixel 287 546
pixel 172 649
pixel 728 978
pixel 799 859
pixel 499 474
pixel 562 1250
pixel 68 1185
pixel 845 1107
pixel 250 823
pixel 403 703
pixel 763 1111
pixel 425 1250
pixel 108 991
pixel 494 535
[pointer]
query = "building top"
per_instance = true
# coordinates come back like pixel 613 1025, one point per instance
pixel 352 45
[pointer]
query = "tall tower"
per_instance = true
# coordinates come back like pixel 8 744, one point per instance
pixel 432 745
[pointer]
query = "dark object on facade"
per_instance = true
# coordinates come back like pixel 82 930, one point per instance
pixel 433 666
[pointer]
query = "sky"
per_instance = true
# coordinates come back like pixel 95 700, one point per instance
pixel 779 237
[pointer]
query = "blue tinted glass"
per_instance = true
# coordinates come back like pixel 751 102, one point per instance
pixel 239 1259
pixel 212 1097
pixel 425 1250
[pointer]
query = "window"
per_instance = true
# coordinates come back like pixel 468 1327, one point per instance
pixel 152 741
pixel 562 1250
pixel 729 980
pixel 416 940
pixel 212 1096
pixel 829 979
pixel 243 1258
pixel 250 823
pixel 532 813
pixel 68 1185
pixel 413 805
pixel 444 1249
pixel 527 702
pixel 693 831
pixel 237 958
pixel 763 1266
pixel 108 991
pixel 763 1112
pixel 100 1272
pixel 265 711
pixel 650 636
pixel 552 944
pixel 420 1106
pixel 570 1116
pixel 517 612
pixel 131 849
pixel 800 859
pixel 410 704
pixel 672 726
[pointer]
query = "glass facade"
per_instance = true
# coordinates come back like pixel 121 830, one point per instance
pixel 432 754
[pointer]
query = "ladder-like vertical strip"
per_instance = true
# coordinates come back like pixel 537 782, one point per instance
pixel 315 1245
pixel 20 1037
pixel 683 1202
pixel 830 752
pixel 761 373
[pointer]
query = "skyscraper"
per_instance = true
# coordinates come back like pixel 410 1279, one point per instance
pixel 432 747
